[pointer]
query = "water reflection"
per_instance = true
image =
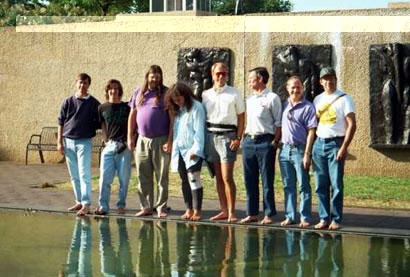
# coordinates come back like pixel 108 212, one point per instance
pixel 184 249
pixel 79 255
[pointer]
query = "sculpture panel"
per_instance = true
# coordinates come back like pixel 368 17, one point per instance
pixel 389 66
pixel 303 60
pixel 194 67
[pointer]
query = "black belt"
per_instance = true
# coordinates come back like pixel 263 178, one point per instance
pixel 221 132
pixel 228 127
pixel 331 139
pixel 258 136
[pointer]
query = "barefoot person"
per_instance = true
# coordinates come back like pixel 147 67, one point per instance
pixel 188 145
pixel 115 156
pixel 77 123
pixel 225 121
pixel 335 131
pixel 152 153
pixel 298 133
pixel 259 145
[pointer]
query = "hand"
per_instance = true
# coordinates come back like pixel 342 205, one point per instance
pixel 234 144
pixel 167 147
pixel 131 145
pixel 193 157
pixel 341 154
pixel 307 161
pixel 60 148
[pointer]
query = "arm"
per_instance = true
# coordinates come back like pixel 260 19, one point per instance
pixel 236 141
pixel 197 148
pixel 278 135
pixel 60 145
pixel 132 123
pixel 351 129
pixel 307 157
pixel 167 147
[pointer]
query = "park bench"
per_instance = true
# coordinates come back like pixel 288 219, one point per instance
pixel 47 141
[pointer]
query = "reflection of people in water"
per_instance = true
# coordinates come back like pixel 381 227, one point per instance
pixel 153 249
pixel 115 264
pixel 79 255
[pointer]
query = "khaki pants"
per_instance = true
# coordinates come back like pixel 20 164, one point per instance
pixel 150 159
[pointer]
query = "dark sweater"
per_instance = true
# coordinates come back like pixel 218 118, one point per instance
pixel 79 117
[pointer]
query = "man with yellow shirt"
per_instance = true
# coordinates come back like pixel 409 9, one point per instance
pixel 335 131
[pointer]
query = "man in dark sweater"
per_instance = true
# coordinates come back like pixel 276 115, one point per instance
pixel 77 122
pixel 115 156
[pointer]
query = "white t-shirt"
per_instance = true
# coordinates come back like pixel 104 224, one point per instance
pixel 222 107
pixel 332 122
pixel 263 113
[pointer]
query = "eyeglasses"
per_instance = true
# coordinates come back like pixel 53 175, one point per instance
pixel 220 74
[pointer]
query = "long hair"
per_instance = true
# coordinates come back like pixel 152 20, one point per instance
pixel 108 85
pixel 178 89
pixel 161 88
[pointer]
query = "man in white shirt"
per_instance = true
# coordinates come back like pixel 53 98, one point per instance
pixel 262 135
pixel 225 122
pixel 335 131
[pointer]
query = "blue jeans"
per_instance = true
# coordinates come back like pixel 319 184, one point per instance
pixel 78 156
pixel 112 162
pixel 258 156
pixel 291 168
pixel 328 174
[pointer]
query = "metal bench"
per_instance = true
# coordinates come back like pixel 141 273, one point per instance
pixel 47 141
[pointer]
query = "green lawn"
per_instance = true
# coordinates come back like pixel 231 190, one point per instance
pixel 360 191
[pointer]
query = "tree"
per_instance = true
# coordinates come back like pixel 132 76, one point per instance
pixel 251 6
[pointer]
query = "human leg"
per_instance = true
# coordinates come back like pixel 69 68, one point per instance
pixel 288 173
pixel 266 159
pixel 161 161
pixel 123 166
pixel 107 171
pixel 336 171
pixel 84 151
pixel 186 189
pixel 145 175
pixel 230 189
pixel 72 165
pixel 251 176
pixel 220 188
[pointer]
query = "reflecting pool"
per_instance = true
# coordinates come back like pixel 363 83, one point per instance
pixel 49 244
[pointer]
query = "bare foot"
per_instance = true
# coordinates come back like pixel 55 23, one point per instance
pixel 76 207
pixel 267 220
pixel 145 212
pixel 187 215
pixel 162 214
pixel 249 219
pixel 334 226
pixel 196 216
pixel 100 211
pixel 304 224
pixel 322 225
pixel 286 222
pixel 220 216
pixel 121 211
pixel 232 218
pixel 84 210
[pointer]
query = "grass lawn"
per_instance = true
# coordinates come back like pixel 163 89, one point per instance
pixel 360 191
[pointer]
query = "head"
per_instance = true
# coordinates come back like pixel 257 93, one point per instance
pixel 219 73
pixel 178 96
pixel 328 79
pixel 258 78
pixel 83 82
pixel 113 91
pixel 294 86
pixel 153 81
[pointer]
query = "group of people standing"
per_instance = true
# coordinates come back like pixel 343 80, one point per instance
pixel 169 127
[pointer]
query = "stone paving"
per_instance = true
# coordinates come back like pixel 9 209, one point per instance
pixel 19 189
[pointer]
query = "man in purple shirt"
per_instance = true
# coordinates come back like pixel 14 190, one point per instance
pixel 299 123
pixel 152 151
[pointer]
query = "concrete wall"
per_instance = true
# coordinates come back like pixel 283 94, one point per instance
pixel 38 64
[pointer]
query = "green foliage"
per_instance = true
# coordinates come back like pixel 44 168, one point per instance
pixel 224 7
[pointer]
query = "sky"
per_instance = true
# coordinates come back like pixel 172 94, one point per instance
pixel 316 5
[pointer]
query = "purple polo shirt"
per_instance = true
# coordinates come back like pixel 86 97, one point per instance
pixel 152 119
pixel 296 121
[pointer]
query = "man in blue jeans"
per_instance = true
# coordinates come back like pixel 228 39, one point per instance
pixel 115 156
pixel 298 133
pixel 261 139
pixel 77 122
pixel 335 131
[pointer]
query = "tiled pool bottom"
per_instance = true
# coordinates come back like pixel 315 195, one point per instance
pixel 50 244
